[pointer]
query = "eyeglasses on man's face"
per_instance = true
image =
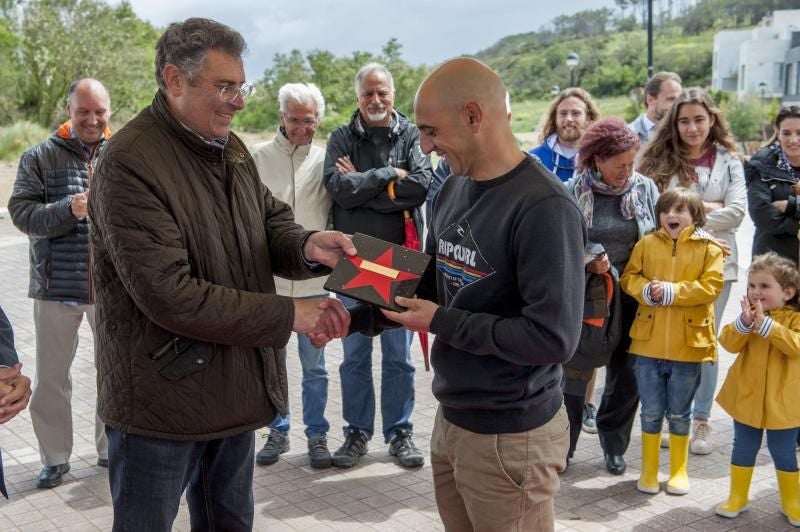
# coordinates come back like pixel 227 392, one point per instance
pixel 229 92
pixel 305 122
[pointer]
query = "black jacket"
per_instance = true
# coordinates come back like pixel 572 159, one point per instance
pixel 49 173
pixel 507 273
pixel 775 230
pixel 361 201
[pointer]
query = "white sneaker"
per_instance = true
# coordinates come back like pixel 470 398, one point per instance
pixel 665 434
pixel 701 437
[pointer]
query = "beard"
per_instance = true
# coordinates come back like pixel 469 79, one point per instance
pixel 376 113
pixel 569 134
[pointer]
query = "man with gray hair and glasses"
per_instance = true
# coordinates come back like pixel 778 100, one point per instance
pixel 375 170
pixel 190 333
pixel 291 166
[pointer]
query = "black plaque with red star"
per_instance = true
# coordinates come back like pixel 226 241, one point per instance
pixel 378 273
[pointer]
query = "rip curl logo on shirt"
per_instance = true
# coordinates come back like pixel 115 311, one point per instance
pixel 458 258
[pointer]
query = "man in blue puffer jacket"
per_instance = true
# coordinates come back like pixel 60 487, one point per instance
pixel 49 204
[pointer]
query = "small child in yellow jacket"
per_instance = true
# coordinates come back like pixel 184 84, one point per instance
pixel 762 389
pixel 675 273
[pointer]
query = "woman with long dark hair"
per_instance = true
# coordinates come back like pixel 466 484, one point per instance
pixel 772 176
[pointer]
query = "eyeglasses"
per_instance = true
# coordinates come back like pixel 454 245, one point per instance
pixel 306 122
pixel 228 93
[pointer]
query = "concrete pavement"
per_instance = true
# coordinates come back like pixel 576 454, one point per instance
pixel 377 494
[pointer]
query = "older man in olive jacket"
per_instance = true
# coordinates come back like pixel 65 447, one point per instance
pixel 191 336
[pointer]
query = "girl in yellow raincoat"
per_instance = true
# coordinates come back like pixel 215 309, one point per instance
pixel 675 273
pixel 762 389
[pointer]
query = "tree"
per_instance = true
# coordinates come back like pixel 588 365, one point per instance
pixel 335 78
pixel 64 40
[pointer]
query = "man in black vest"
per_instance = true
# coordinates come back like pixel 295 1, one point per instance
pixel 49 204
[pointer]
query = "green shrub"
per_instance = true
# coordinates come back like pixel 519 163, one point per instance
pixel 17 138
pixel 745 118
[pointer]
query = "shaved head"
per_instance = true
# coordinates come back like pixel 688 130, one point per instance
pixel 462 115
pixel 462 80
pixel 89 108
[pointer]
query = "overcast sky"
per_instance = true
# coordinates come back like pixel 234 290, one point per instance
pixel 430 31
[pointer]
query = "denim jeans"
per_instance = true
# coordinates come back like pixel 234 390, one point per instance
pixel 747 443
pixel 709 371
pixel 666 386
pixel 148 475
pixel 397 381
pixel 315 391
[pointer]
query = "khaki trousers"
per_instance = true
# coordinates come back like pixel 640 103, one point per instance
pixel 57 327
pixel 498 482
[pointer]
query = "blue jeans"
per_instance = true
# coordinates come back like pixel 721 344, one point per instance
pixel 397 381
pixel 148 475
pixel 747 442
pixel 315 391
pixel 666 387
pixel 709 371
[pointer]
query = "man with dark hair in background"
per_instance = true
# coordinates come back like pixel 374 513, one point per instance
pixel 660 92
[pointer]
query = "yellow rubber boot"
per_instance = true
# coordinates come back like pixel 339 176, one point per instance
pixel 678 483
pixel 790 495
pixel 740 486
pixel 648 480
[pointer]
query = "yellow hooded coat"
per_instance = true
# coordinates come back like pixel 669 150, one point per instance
pixel 762 388
pixel 681 327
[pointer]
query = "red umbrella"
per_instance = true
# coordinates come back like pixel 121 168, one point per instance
pixel 412 242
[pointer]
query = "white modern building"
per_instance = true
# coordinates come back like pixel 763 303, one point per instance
pixel 762 61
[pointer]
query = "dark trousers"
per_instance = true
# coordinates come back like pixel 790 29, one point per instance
pixel 573 384
pixel 148 476
pixel 620 400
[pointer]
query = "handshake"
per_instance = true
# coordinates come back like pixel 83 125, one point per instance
pixel 321 319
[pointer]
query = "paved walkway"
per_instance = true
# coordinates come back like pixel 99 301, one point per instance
pixel 376 495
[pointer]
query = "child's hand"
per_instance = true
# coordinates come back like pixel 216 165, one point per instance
pixel 759 316
pixel 656 291
pixel 747 312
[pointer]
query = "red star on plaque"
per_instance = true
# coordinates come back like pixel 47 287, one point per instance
pixel 378 274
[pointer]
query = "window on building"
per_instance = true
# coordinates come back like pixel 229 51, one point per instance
pixel 777 73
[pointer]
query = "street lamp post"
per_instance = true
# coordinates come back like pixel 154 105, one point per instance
pixel 762 86
pixel 572 61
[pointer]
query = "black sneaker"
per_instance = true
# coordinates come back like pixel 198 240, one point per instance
pixel 277 444
pixel 402 446
pixel 353 448
pixel 589 421
pixel 318 452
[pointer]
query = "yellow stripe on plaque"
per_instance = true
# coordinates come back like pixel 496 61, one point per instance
pixel 381 270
